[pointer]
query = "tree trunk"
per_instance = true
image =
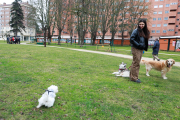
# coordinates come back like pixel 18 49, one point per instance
pixel 112 38
pixel 59 36
pixel 103 37
pixel 94 37
pixel 122 41
pixel 71 40
pixel 44 37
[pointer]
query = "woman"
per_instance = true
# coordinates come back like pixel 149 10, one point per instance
pixel 139 42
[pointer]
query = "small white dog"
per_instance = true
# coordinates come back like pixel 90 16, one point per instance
pixel 122 71
pixel 48 97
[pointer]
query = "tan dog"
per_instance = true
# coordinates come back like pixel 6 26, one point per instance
pixel 163 66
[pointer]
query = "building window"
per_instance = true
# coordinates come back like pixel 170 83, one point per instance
pixel 154 19
pixel 165 18
pixel 160 12
pixel 176 32
pixel 166 11
pixel 159 18
pixel 146 0
pixel 156 0
pixel 178 5
pixel 160 6
pixel 156 6
pixel 153 25
pixel 145 13
pixel 146 7
pixel 161 0
pixel 178 13
pixel 165 24
pixel 177 25
pixel 140 7
pixel 157 31
pixel 170 29
pixel 126 7
pixel 153 31
pixel 164 31
pixel 177 19
pixel 174 3
pixel 167 5
pixel 158 25
pixel 141 0
pixel 154 12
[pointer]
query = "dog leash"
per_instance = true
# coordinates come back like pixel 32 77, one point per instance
pixel 48 91
pixel 129 67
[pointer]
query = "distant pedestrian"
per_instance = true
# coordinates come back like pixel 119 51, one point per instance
pixel 156 50
pixel 13 39
pixel 139 42
pixel 8 40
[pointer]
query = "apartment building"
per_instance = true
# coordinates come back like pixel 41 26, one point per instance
pixel 5 18
pixel 165 18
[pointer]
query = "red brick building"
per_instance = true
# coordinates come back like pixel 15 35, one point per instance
pixel 164 21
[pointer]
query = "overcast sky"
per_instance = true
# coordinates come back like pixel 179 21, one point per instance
pixel 9 1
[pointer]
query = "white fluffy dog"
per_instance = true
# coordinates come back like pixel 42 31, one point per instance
pixel 122 71
pixel 48 97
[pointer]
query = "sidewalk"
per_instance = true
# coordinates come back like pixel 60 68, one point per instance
pixel 105 53
pixel 117 55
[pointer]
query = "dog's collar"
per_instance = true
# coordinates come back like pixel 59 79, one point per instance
pixel 49 91
pixel 122 69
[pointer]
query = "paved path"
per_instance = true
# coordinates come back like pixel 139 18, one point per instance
pixel 104 53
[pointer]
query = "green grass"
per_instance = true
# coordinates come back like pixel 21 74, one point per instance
pixel 87 89
pixel 126 50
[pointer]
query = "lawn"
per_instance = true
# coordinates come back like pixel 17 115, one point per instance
pixel 87 89
pixel 123 50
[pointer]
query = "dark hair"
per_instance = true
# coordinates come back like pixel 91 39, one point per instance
pixel 144 32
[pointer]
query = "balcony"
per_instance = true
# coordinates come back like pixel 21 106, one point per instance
pixel 173 7
pixel 171 27
pixel 172 13
pixel 172 20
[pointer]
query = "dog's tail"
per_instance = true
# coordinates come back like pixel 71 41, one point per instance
pixel 142 62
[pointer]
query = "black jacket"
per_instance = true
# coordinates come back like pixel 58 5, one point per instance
pixel 156 48
pixel 138 41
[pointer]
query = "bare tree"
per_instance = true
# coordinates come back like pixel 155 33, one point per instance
pixel 122 19
pixel 43 15
pixel 104 20
pixel 71 19
pixel 61 14
pixel 81 10
pixel 138 9
pixel 31 19
pixel 115 8
pixel 94 13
